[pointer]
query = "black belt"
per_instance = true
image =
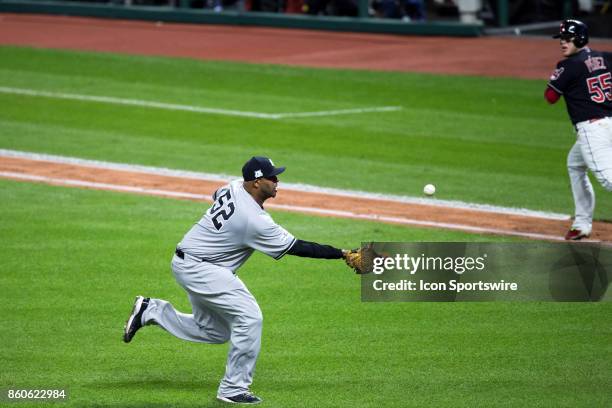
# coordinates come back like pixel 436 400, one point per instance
pixel 179 252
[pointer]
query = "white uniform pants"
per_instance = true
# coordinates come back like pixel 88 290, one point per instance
pixel 592 151
pixel 223 309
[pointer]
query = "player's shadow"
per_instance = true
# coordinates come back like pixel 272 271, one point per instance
pixel 583 274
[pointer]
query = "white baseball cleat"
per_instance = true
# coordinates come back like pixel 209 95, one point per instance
pixel 246 398
pixel 134 322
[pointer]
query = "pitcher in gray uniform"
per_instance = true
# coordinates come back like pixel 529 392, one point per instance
pixel 205 265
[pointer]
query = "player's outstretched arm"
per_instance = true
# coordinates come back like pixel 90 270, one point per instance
pixel 313 250
pixel 353 258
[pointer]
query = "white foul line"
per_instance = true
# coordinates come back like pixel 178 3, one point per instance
pixel 191 108
pixel 292 208
pixel 338 112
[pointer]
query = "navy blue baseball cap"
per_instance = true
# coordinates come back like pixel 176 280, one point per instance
pixel 259 166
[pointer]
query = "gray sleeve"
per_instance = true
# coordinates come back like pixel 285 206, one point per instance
pixel 266 236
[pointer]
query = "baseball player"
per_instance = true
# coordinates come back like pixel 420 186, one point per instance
pixel 584 79
pixel 205 265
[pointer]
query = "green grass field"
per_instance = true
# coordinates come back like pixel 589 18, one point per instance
pixel 72 260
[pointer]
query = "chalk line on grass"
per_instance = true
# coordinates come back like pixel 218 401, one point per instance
pixel 192 108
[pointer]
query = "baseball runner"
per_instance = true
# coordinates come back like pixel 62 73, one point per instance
pixel 584 79
pixel 205 265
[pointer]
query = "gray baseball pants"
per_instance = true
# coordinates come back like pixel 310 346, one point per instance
pixel 592 151
pixel 222 309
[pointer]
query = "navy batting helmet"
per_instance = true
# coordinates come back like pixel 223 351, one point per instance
pixel 574 30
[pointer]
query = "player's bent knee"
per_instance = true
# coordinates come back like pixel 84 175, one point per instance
pixel 255 323
pixel 255 316
pixel 220 339
pixel 256 320
pixel 249 322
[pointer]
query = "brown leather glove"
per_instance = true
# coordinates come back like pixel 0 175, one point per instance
pixel 354 259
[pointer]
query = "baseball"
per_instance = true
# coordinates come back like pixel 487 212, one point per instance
pixel 429 189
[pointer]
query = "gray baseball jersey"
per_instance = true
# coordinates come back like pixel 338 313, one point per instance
pixel 222 307
pixel 232 228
